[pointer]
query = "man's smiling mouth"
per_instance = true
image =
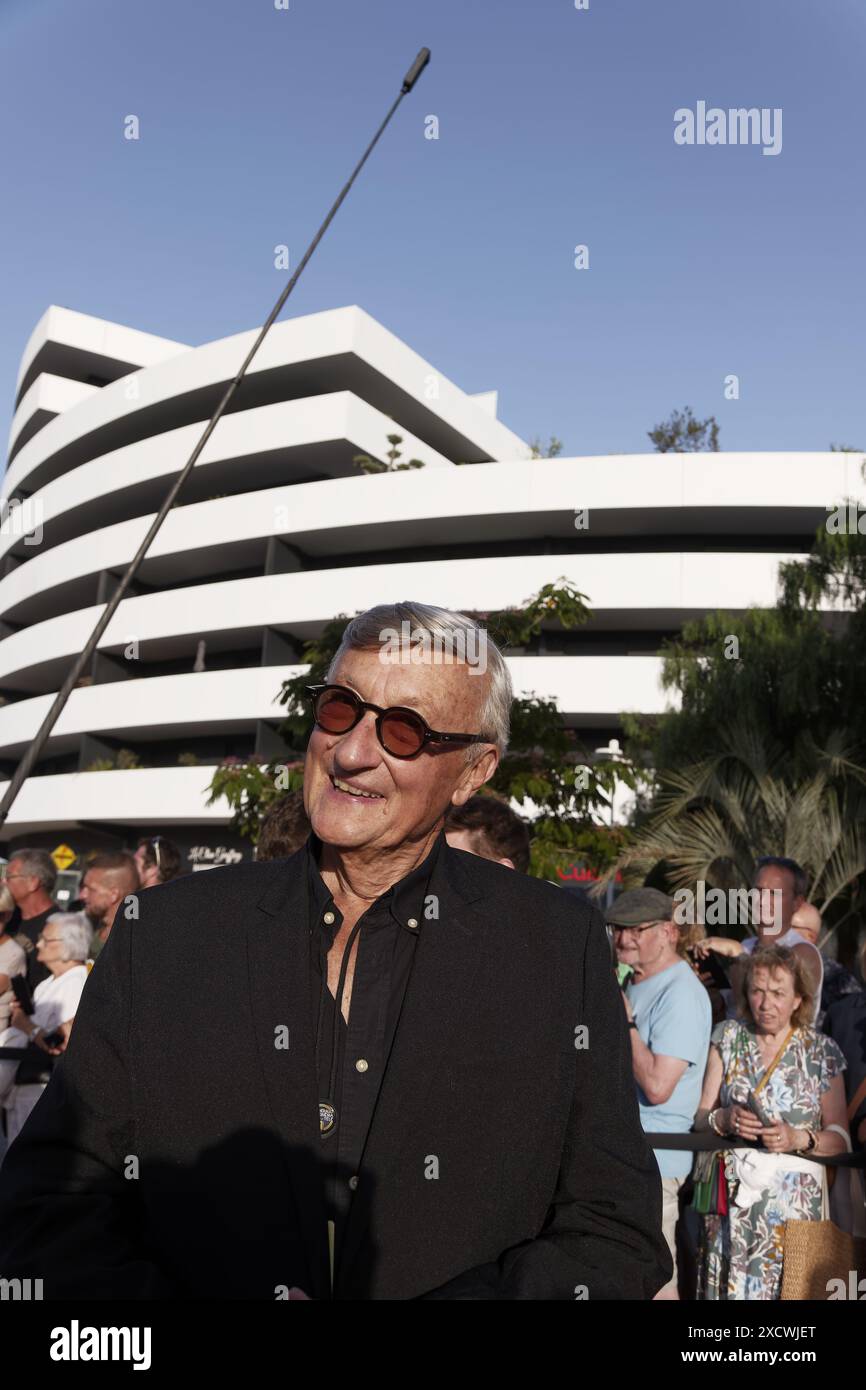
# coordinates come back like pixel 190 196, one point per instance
pixel 341 786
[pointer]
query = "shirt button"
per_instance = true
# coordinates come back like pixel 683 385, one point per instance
pixel 361 1064
pixel 329 919
pixel 353 1183
pixel 413 923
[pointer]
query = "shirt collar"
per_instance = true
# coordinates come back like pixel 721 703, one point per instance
pixel 405 899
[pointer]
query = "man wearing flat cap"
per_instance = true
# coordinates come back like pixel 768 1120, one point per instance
pixel 670 1019
pixel 381 1068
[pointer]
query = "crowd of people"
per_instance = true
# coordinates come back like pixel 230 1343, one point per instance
pixel 787 1024
pixel 772 1053
pixel 768 1046
pixel 46 954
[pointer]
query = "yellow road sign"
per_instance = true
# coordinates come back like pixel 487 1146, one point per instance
pixel 63 856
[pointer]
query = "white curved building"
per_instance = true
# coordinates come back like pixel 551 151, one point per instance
pixel 277 531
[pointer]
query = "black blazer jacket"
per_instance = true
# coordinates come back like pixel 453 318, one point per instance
pixel 174 1153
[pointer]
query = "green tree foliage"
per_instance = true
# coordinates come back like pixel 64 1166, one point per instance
pixel 393 455
pixel 551 451
pixel 713 820
pixel 834 575
pixel 683 434
pixel 766 753
pixel 124 760
pixel 783 676
pixel 251 787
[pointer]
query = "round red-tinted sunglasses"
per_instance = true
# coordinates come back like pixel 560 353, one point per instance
pixel 402 732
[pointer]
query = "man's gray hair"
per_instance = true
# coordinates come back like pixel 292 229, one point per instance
pixel 459 635
pixel 76 933
pixel 38 864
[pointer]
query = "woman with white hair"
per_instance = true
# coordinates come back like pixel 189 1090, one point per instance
pixel 63 947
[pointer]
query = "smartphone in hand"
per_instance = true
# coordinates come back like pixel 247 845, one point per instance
pixel 711 969
pixel 23 993
pixel 754 1104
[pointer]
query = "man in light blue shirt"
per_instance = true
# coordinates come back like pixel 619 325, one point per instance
pixel 670 1019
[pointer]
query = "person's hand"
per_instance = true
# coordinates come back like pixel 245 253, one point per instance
pixel 41 1043
pixel 722 945
pixel 743 1123
pixel 65 1031
pixel 780 1138
pixel 693 959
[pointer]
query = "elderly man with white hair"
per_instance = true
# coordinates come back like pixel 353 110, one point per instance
pixel 380 1069
pixel 62 948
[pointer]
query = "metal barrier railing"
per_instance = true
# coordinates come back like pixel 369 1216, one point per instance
pixel 705 1140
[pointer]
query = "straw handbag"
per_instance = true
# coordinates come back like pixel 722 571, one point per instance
pixel 817 1251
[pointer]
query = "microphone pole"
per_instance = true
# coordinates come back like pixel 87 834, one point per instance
pixel 24 768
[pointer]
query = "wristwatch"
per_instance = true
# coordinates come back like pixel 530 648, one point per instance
pixel 631 1023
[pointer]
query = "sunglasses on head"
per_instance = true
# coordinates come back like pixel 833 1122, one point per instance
pixel 402 732
pixel 154 844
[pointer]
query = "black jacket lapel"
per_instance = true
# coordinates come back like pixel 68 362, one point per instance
pixel 278 946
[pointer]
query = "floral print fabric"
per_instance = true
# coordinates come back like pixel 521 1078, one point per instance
pixel 740 1255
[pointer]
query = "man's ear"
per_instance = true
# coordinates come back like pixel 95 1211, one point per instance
pixel 475 775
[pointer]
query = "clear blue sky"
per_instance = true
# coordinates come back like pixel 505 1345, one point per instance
pixel 556 128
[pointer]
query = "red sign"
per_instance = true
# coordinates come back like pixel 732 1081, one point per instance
pixel 577 874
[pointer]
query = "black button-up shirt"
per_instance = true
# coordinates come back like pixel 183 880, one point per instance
pixel 351 1058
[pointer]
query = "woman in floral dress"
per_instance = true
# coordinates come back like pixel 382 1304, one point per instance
pixel 771 1079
